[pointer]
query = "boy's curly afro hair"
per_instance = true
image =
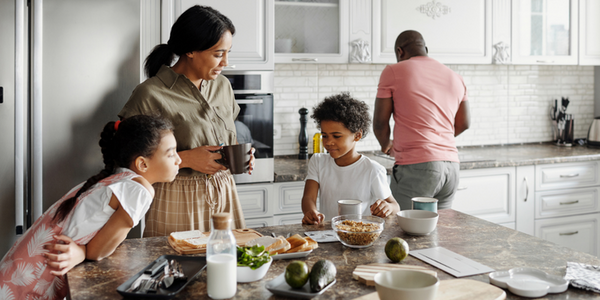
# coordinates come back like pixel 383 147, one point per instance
pixel 354 114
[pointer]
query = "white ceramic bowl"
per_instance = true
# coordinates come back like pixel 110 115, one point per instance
pixel 245 274
pixel 417 222
pixel 405 285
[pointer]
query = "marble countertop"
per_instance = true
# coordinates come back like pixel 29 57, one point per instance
pixel 290 168
pixel 495 246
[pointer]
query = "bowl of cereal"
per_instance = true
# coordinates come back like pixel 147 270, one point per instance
pixel 357 231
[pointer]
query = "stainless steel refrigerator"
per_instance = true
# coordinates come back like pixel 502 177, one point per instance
pixel 66 68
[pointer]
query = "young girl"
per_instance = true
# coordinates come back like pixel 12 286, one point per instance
pixel 343 173
pixel 92 219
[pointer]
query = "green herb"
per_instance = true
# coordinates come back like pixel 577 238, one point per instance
pixel 253 257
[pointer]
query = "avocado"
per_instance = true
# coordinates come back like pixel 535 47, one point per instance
pixel 321 274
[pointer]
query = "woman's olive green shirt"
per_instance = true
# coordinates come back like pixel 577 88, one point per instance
pixel 202 117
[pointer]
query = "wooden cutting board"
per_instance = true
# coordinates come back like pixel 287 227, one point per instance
pixel 241 237
pixel 459 289
pixel 366 273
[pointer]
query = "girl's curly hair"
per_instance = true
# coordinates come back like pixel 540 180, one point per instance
pixel 354 114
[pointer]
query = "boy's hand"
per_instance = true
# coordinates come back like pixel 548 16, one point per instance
pixel 313 217
pixel 381 208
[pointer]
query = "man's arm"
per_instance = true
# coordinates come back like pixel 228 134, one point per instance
pixel 384 107
pixel 462 120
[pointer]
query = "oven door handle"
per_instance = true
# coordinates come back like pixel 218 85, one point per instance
pixel 250 101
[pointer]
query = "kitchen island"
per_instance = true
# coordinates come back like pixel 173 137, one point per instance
pixel 493 245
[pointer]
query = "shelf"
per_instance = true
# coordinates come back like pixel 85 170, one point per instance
pixel 305 4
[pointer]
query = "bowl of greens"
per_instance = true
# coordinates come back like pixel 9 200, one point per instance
pixel 252 263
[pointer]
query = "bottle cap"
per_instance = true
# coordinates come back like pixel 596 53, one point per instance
pixel 221 221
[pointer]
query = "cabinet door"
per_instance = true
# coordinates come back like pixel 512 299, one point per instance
pixel 544 32
pixel 567 175
pixel 488 194
pixel 311 31
pixel 258 223
pixel 454 31
pixel 579 233
pixel 252 47
pixel 288 219
pixel 256 200
pixel 289 198
pixel 589 31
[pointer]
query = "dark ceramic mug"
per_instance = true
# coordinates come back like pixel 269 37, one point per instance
pixel 236 157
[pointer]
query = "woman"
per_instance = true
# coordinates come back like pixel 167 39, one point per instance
pixel 201 105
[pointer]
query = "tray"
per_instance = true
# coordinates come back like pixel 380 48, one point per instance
pixel 192 267
pixel 242 236
pixel 278 286
pixel 528 282
pixel 291 255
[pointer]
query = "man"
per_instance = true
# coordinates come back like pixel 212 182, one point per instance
pixel 429 104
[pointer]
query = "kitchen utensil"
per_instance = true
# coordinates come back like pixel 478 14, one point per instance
pixel 191 267
pixel 349 207
pixel 593 138
pixel 528 282
pixel 451 262
pixel 424 203
pixel 406 285
pixel 357 239
pixel 241 236
pixel 417 222
pixel 459 289
pixel 246 274
pixel 278 286
pixel 366 273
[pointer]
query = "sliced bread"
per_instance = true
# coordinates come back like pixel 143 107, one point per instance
pixel 261 241
pixel 198 242
pixel 297 243
pixel 180 236
pixel 312 244
pixel 281 246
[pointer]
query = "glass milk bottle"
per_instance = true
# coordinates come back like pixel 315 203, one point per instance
pixel 221 258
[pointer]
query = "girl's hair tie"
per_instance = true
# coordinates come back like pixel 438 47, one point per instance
pixel 117 125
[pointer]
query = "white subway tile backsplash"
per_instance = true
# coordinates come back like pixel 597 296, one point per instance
pixel 509 103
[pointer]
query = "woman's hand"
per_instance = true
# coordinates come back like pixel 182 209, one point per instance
pixel 252 161
pixel 381 208
pixel 63 255
pixel 313 217
pixel 202 159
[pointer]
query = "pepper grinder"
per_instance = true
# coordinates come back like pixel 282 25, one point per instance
pixel 303 136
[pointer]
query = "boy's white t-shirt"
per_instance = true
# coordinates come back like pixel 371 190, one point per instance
pixel 364 180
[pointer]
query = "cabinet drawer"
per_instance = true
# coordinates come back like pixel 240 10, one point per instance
pixel 255 199
pixel 257 223
pixel 579 233
pixel 289 197
pixel 560 176
pixel 288 219
pixel 566 202
pixel 488 194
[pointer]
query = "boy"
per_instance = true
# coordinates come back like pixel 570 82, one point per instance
pixel 343 173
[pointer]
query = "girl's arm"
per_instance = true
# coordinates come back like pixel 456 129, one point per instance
pixel 63 255
pixel 111 234
pixel 309 204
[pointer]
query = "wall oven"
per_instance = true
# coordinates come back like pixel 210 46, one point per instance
pixel 254 94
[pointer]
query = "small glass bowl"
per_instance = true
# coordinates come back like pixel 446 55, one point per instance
pixel 348 232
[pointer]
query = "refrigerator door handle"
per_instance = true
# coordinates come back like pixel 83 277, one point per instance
pixel 36 208
pixel 20 77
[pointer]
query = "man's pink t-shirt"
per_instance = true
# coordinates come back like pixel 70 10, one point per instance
pixel 426 96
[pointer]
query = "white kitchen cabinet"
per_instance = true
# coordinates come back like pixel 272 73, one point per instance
pixel 289 197
pixel 487 193
pixel 563 202
pixel 255 200
pixel 567 175
pixel 589 31
pixel 545 32
pixel 288 219
pixel 456 32
pixel 578 232
pixel 258 223
pixel 311 31
pixel 253 42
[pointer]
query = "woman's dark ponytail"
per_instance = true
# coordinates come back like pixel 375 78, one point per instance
pixel 196 29
pixel 160 55
pixel 133 137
